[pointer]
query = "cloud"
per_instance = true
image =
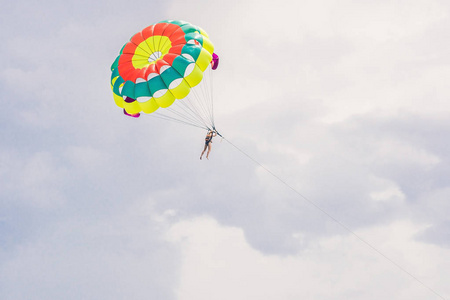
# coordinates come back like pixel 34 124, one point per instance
pixel 37 181
pixel 345 102
pixel 218 262
pixel 90 259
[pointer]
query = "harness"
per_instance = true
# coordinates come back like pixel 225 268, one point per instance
pixel 208 139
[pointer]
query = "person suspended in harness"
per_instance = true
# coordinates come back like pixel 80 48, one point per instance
pixel 208 141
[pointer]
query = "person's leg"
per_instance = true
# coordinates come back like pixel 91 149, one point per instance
pixel 204 149
pixel 209 150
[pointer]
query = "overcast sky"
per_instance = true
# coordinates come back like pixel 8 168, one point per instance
pixel 346 102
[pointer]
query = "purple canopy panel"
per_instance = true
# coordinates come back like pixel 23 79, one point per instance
pixel 130 100
pixel 131 115
pixel 215 61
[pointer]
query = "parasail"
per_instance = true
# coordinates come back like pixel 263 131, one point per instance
pixel 165 71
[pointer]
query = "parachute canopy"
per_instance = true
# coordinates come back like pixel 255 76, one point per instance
pixel 162 64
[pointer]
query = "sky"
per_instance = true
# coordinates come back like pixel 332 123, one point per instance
pixel 331 182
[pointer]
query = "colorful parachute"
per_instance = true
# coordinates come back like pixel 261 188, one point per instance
pixel 167 65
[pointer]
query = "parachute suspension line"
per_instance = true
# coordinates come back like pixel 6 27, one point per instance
pixel 211 92
pixel 189 109
pixel 202 100
pixel 195 103
pixel 191 103
pixel 336 221
pixel 208 95
pixel 183 116
pixel 198 103
pixel 196 109
pixel 211 95
pixel 172 119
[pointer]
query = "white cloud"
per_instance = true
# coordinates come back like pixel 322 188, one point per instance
pixel 271 50
pixel 218 262
pixel 386 191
